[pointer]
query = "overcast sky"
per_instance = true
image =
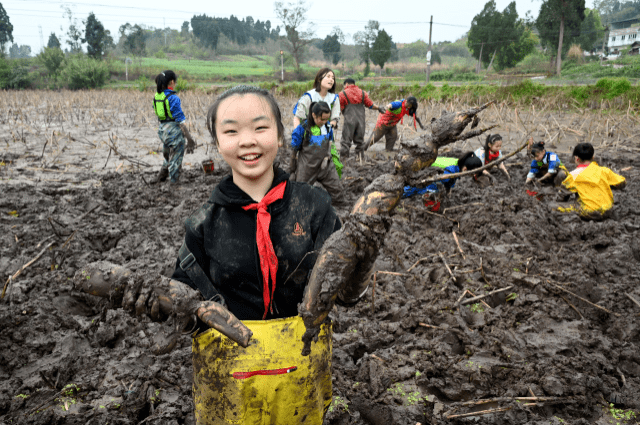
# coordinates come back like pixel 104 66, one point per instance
pixel 406 21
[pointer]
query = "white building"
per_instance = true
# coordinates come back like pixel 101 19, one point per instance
pixel 621 38
pixel 624 33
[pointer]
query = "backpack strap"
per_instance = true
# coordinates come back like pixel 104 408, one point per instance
pixel 346 97
pixel 190 266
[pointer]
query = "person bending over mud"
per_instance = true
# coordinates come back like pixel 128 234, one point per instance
pixel 592 184
pixel 435 193
pixel 172 130
pixel 352 102
pixel 387 122
pixel 491 152
pixel 317 160
pixel 546 167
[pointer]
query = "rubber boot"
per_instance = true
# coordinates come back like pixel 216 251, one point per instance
pixel 162 175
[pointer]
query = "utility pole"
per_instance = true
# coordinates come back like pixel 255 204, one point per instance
pixel 479 59
pixel 429 51
pixel 604 39
pixel 41 39
pixel 282 65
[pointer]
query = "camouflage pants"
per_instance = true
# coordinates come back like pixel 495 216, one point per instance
pixel 173 148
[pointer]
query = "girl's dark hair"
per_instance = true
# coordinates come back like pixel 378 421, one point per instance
pixel 349 81
pixel 537 147
pixel 317 108
pixel 584 151
pixel 243 90
pixel 412 103
pixel 491 139
pixel 320 75
pixel 163 79
pixel 469 160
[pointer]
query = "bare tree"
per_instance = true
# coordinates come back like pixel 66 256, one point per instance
pixel 293 16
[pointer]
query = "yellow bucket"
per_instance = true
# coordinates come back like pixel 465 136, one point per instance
pixel 269 382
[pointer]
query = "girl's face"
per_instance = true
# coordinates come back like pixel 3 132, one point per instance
pixel 539 155
pixel 327 81
pixel 322 119
pixel 247 136
pixel 497 145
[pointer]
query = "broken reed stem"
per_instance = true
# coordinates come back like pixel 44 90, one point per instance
pixel 458 243
pixel 633 299
pixel 587 301
pixel 16 274
pixel 373 293
pixel 461 206
pixel 572 306
pixel 447 266
pixel 424 325
pixel 484 277
pixel 480 413
pixel 479 297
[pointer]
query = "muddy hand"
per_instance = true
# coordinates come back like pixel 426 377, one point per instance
pixel 222 320
pixel 159 297
pixel 191 144
pixel 346 260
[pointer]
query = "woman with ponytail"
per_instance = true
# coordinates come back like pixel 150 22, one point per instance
pixel 172 130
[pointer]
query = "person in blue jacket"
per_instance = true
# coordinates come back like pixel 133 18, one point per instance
pixel 313 139
pixel 436 192
pixel 172 130
pixel 546 166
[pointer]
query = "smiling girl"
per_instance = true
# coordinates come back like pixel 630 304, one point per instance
pixel 255 242
pixel 324 90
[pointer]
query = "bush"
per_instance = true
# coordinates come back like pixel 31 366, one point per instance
pixel 613 87
pixel 19 78
pixel 142 83
pixel 85 73
pixel 160 55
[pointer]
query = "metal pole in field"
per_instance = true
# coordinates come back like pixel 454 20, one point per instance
pixel 429 51
pixel 282 65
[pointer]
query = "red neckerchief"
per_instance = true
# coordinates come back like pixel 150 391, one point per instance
pixel 582 165
pixel 403 112
pixel 492 157
pixel 268 259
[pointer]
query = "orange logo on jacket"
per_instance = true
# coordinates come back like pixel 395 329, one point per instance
pixel 297 230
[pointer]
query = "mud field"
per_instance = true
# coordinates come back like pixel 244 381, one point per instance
pixel 561 345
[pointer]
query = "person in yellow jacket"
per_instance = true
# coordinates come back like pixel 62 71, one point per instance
pixel 592 183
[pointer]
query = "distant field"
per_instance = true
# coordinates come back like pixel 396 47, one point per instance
pixel 197 69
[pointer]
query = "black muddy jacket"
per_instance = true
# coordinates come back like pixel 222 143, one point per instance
pixel 222 237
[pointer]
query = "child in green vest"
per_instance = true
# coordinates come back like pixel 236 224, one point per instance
pixel 172 130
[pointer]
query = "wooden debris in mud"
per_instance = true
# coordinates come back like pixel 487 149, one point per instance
pixel 633 299
pixel 480 297
pixel 477 297
pixel 458 243
pixel 585 300
pixel 533 401
pixel 573 307
pixel 16 274
pixel 424 325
